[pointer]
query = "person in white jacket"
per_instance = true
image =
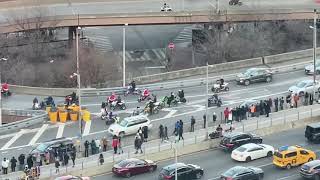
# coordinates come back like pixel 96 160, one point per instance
pixel 5 165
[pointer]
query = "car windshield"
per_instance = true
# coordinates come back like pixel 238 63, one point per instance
pixel 249 72
pixel 123 163
pixel 123 123
pixel 301 84
pixel 233 171
pixel 165 172
pixel 277 154
pixel 241 149
pixel 42 147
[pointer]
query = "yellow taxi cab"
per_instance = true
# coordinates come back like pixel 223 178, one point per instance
pixel 288 156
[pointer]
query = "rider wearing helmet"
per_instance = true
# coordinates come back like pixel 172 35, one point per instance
pixel 133 86
pixel 181 94
pixel 221 83
pixel 119 100
pixel 4 87
pixel 146 93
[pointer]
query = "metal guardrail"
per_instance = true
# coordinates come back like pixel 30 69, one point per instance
pixel 182 83
pixel 36 117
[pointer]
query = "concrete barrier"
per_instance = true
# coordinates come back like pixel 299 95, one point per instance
pixel 41 91
pixel 278 58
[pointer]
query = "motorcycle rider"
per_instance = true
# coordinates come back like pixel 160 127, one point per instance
pixel 119 100
pixel 104 110
pixel 50 101
pixel 112 98
pixel 221 83
pixel 133 86
pixel 154 98
pixel 151 106
pixel 35 103
pixel 4 88
pixel 171 98
pixel 145 94
pixel 181 94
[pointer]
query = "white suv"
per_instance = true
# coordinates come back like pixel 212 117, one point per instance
pixel 130 125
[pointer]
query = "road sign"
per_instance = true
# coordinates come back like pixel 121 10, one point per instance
pixel 171 46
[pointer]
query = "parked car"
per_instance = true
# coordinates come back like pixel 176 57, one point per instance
pixel 184 172
pixel 129 125
pixel 70 177
pixel 233 140
pixel 312 132
pixel 251 151
pixel 309 68
pixel 288 156
pixel 243 173
pixel 52 145
pixel 253 75
pixel 311 170
pixel 304 86
pixel 133 166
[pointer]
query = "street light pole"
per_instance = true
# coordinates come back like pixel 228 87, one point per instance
pixel 2 59
pixel 217 6
pixel 207 89
pixel 176 161
pixel 78 80
pixel 314 50
pixel 124 55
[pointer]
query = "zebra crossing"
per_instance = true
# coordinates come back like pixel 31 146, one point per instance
pixel 98 38
pixel 144 55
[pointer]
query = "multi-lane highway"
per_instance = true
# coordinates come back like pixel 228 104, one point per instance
pixel 17 143
pixel 216 162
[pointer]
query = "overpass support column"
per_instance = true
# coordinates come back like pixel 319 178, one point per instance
pixel 72 33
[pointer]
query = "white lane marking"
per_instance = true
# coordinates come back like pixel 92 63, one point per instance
pixel 38 134
pixel 13 139
pixel 87 128
pixel 170 114
pixel 60 130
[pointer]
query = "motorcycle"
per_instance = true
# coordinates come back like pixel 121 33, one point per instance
pixel 5 92
pixel 182 99
pixel 143 98
pixel 136 91
pixel 36 106
pixel 218 88
pixel 215 135
pixel 115 104
pixel 147 110
pixel 235 2
pixel 214 101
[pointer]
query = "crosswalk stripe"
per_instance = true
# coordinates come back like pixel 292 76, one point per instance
pixel 87 128
pixel 60 130
pixel 38 134
pixel 13 139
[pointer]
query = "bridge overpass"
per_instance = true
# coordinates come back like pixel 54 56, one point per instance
pixel 158 18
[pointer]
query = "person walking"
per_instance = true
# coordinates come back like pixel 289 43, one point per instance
pixel 115 144
pixel 267 109
pixel 161 132
pixel 101 159
pixel 98 145
pixel 86 148
pixel 29 161
pixel 5 165
pixel 276 104
pixel 296 99
pixel 47 158
pixel 57 165
pixel 252 110
pixel 193 122
pixel 21 159
pixel 226 114
pixel 73 158
pixel 204 121
pixel 214 117
pixel 13 162
pixel 166 133
pixel 138 144
pixel 180 130
pixel 119 149
pixel 140 133
pixel 66 159
pixel 93 147
pixel 281 103
pixel 104 144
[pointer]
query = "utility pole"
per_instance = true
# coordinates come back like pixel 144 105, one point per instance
pixel 124 55
pixel 314 51
pixel 206 100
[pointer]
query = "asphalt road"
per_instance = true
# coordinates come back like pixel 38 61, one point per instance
pixel 215 162
pixel 22 143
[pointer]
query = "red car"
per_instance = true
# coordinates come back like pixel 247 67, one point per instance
pixel 133 166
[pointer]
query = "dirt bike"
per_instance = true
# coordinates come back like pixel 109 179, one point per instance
pixel 120 105
pixel 136 91
pixel 218 88
pixel 5 93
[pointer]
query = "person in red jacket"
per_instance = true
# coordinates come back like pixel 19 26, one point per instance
pixel 226 114
pixel 4 87
pixel 115 143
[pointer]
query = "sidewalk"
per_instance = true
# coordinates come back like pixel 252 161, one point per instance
pixel 277 118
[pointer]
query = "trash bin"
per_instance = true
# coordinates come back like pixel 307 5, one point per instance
pixel 86 115
pixel 73 116
pixel 74 108
pixel 53 116
pixel 63 116
pixel 48 108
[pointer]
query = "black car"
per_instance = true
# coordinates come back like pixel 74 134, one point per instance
pixel 243 173
pixel 233 140
pixel 253 75
pixel 184 172
pixel 312 132
pixel 311 170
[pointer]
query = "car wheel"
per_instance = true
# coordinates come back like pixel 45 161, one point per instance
pixel 246 82
pixel 259 141
pixel 310 159
pixel 198 175
pixel 128 174
pixel 151 169
pixel 261 176
pixel 121 134
pixel 123 107
pixel 269 154
pixel 288 166
pixel 248 159
pixel 268 79
pixel 227 88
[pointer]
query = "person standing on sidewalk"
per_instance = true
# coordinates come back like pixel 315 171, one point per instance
pixel 204 121
pixel 21 159
pixel 115 144
pixel 120 150
pixel 73 157
pixel 276 104
pixel 161 132
pixel 29 161
pixel 86 148
pixel 180 130
pixel 214 117
pixel 166 133
pixel 13 162
pixel 57 165
pixel 138 144
pixel 145 133
pixel 193 122
pixel 101 159
pixel 226 114
pixel 104 144
pixel 296 99
pixel 281 103
pixel 66 159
